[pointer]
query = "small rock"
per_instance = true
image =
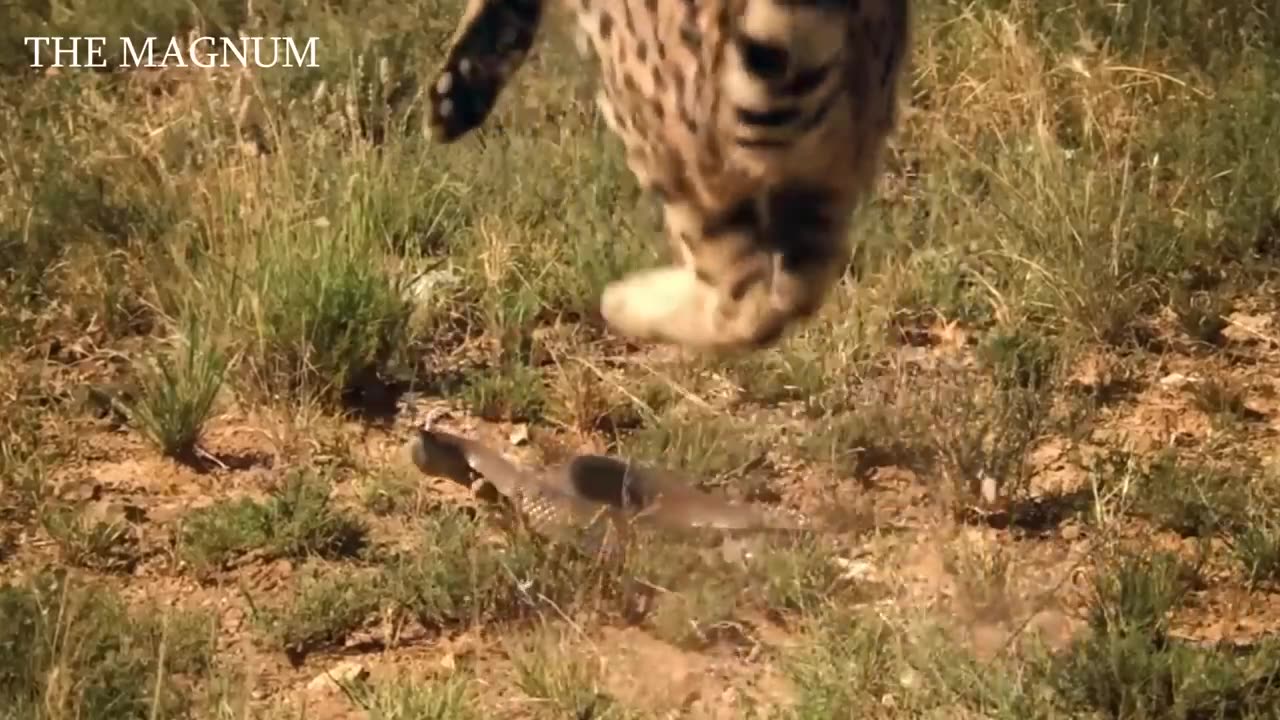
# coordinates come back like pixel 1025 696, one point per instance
pixel 854 569
pixel 1071 533
pixel 735 552
pixel 1177 381
pixel 344 673
pixel 519 436
pixel 80 491
pixel 988 489
pixel 233 619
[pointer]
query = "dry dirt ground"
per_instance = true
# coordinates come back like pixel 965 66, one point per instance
pixel 991 583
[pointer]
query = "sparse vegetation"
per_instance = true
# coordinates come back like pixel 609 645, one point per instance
pixel 177 398
pixel 1258 547
pixel 296 521
pixel 1130 666
pixel 323 613
pixel 403 699
pixel 557 681
pixel 1045 396
pixel 107 544
pixel 73 650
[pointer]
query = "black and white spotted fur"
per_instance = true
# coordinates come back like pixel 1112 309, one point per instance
pixel 758 123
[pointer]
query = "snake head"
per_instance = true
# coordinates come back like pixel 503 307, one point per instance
pixel 437 458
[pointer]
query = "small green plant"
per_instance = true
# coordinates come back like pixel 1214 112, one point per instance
pixel 303 520
pixel 25 452
pixel 694 616
pixel 981 440
pixel 459 575
pixel 189 637
pixel 560 680
pixel 451 698
pixel 1257 545
pixel 864 664
pixel 99 544
pixel 513 392
pixel 799 577
pixel 582 397
pixel 1134 595
pixel 848 665
pixel 177 396
pixel 297 520
pixel 387 493
pixel 982 575
pixel 883 431
pixel 326 315
pixel 215 534
pixel 1221 398
pixel 702 445
pixel 796 375
pixel 1191 499
pixel 1020 358
pixel 323 612
pixel 455 577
